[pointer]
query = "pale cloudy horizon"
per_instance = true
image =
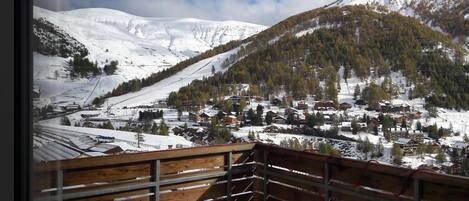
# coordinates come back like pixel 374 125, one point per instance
pixel 264 12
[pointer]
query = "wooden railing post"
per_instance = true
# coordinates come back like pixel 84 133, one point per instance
pixel 326 181
pixel 156 178
pixel 266 179
pixel 417 191
pixel 228 166
pixel 60 183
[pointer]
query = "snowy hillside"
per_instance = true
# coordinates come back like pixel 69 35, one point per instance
pixel 396 5
pixel 161 90
pixel 142 46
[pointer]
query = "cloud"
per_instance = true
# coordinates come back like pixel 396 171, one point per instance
pixel 266 12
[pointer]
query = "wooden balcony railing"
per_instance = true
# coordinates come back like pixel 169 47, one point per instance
pixel 238 172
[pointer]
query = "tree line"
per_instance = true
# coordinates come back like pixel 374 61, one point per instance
pixel 366 43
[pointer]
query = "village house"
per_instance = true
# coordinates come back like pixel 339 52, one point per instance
pixel 400 118
pixel 89 115
pixel 325 105
pixel 205 119
pixel 160 104
pixel 385 106
pixel 291 110
pixel 407 145
pixel 231 120
pixel 345 106
pixel 271 113
pixel 71 107
pixel 414 115
pixel 237 99
pixel 346 126
pixel 416 135
pixel 360 102
pixel 302 106
pixel 459 147
pixel 363 126
pixel 400 108
pixel 194 117
pixel 276 101
pixel 329 118
pixel 279 120
pixel 451 168
pixel 395 133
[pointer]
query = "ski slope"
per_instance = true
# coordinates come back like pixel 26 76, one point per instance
pixel 161 90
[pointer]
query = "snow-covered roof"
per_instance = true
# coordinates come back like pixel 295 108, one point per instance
pixel 447 164
pixel 460 145
pixel 403 141
pixel 362 125
pixel 412 132
pixel 398 129
pixel 83 142
pixel 53 151
pixel 103 148
pixel 93 153
pixel 325 127
pixel 346 124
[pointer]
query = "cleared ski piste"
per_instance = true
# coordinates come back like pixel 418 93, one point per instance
pixel 162 89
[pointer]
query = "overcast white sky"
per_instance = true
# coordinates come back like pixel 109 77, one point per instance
pixel 265 12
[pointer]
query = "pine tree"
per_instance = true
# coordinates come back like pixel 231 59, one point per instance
pixel 429 148
pixel 268 118
pixel 355 127
pixel 242 105
pixel 397 154
pixel 163 128
pixel 108 125
pixel 65 121
pixel 270 86
pixel 319 93
pixel 420 150
pixel 419 125
pixel 88 124
pixel 155 129
pixel 387 123
pixel 331 91
pixel 440 157
pixel 251 136
pixel 139 137
pixel 366 147
pixel 356 92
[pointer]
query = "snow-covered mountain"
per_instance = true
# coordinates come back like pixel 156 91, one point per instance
pixel 141 46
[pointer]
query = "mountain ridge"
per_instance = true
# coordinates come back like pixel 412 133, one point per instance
pixel 141 46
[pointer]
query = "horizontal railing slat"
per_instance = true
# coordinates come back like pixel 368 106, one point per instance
pixel 360 165
pixel 201 173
